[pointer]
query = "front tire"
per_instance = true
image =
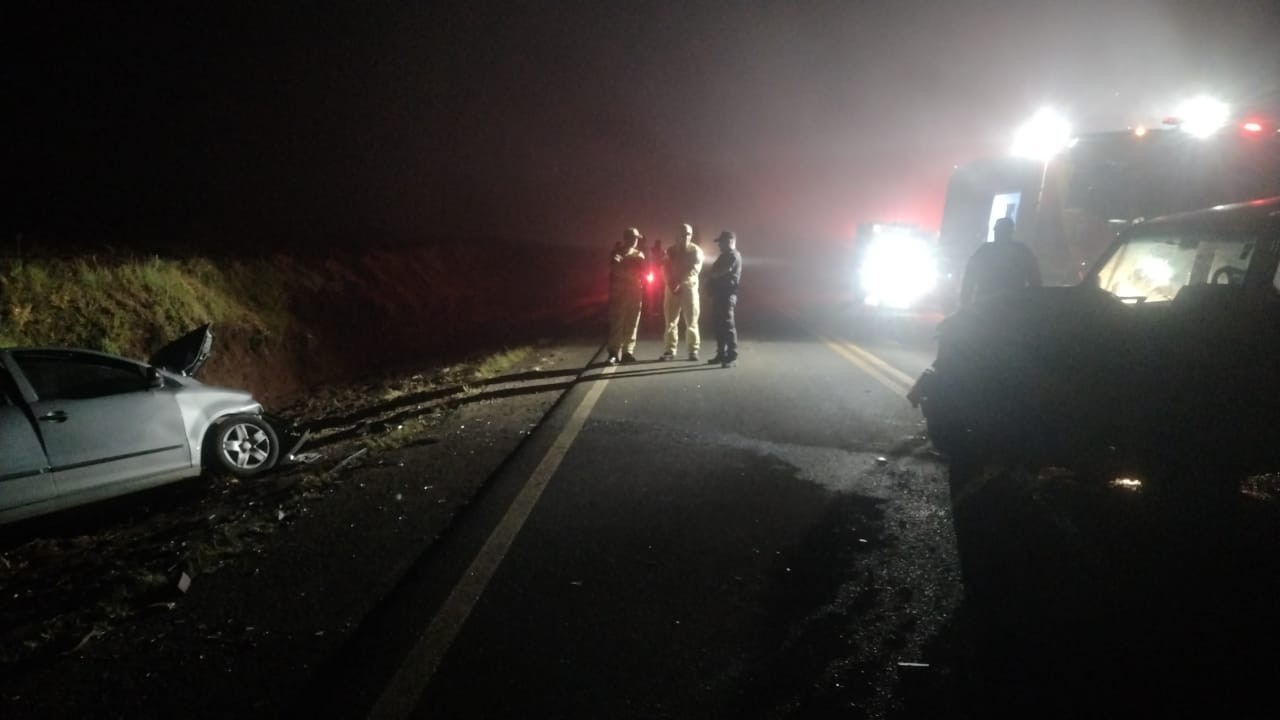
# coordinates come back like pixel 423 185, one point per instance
pixel 243 446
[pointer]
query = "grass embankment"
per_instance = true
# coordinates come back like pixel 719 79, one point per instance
pixel 131 306
pixel 284 323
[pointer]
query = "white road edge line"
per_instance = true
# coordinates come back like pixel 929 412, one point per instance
pixel 408 687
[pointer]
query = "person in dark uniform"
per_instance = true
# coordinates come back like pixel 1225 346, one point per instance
pixel 1000 266
pixel 722 284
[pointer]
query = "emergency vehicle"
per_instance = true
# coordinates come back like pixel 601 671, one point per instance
pixel 894 267
pixel 1069 204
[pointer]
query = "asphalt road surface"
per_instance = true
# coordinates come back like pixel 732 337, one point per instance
pixel 703 542
pixel 776 540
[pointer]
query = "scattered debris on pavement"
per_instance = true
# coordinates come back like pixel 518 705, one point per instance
pixel 350 459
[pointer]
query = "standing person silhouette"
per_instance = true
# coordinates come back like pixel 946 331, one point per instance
pixel 723 282
pixel 626 297
pixel 998 267
pixel 684 262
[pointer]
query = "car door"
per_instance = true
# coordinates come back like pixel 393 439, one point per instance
pixel 25 480
pixel 103 424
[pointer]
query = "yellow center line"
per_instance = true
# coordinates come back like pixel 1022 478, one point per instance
pixel 405 690
pixel 892 382
pixel 888 369
pixel 879 370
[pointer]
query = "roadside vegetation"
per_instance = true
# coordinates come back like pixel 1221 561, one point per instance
pixel 285 324
pixel 127 305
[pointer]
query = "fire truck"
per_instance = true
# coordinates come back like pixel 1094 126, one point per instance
pixel 1069 205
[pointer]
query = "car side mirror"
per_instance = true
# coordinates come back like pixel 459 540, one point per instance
pixel 154 379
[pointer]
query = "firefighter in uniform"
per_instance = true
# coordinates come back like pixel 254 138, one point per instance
pixel 684 262
pixel 723 281
pixel 1000 266
pixel 626 294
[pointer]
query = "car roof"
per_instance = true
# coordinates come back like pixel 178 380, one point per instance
pixel 1263 211
pixel 83 351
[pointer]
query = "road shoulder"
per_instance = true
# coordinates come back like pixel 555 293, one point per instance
pixel 247 636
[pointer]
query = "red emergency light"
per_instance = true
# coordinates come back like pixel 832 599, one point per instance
pixel 649 278
pixel 1252 127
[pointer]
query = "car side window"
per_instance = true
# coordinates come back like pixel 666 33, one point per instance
pixel 8 390
pixel 75 376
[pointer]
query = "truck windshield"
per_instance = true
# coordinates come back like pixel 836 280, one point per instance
pixel 1120 177
pixel 1153 268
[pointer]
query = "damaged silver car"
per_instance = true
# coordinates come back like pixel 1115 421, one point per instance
pixel 77 426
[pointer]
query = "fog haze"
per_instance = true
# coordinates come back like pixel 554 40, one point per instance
pixel 789 123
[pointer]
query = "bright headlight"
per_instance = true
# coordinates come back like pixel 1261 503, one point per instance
pixel 897 271
pixel 1203 116
pixel 1041 137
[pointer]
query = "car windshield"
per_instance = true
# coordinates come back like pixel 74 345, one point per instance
pixel 1153 268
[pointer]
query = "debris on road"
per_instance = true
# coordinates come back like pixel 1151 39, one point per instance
pixel 94 633
pixel 350 459
pixel 293 456
pixel 184 583
pixel 1055 473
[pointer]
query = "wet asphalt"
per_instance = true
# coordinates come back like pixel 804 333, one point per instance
pixel 766 540
pixel 778 540
pixel 706 547
pixel 775 540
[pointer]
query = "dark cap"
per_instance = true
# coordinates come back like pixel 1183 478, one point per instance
pixel 726 236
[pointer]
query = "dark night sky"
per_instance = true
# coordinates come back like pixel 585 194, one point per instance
pixel 561 120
